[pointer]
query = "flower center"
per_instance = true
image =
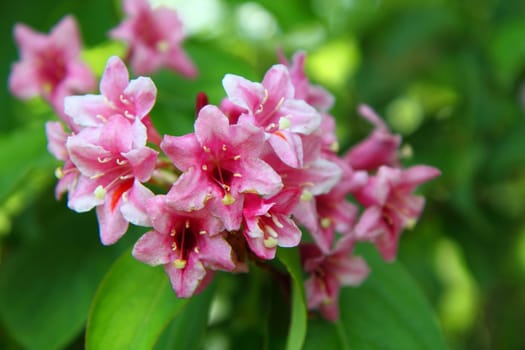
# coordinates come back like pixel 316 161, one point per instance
pixel 184 241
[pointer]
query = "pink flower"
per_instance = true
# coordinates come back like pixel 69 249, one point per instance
pixel 50 66
pixel 380 148
pixel 56 145
pixel 225 162
pixel 268 223
pixel 113 161
pixel 271 105
pixel 188 243
pixel 328 272
pixel 154 37
pixel 391 206
pixel 132 99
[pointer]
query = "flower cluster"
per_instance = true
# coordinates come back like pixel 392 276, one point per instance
pixel 257 168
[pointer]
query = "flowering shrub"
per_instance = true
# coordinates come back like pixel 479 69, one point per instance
pixel 262 172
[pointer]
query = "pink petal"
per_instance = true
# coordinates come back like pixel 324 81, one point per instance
pixel 370 224
pixel 278 84
pixel 190 192
pixel 351 271
pixel 304 118
pixel 116 135
pixel 143 161
pixel 87 110
pixel 24 81
pixel 288 147
pixel 65 35
pixel 243 92
pixel 114 79
pixel 211 125
pixel 56 137
pixel 418 174
pixel 259 177
pixel 144 93
pixel 133 206
pixel 186 281
pixel 152 249
pixel 182 150
pixel 112 224
pixel 216 253
pixel 82 198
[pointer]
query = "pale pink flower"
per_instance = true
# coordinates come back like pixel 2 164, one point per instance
pixel 329 272
pixel 188 244
pixel 50 65
pixel 379 148
pixel 271 105
pixel 113 161
pixel 268 223
pixel 391 206
pixel 132 99
pixel 225 161
pixel 154 36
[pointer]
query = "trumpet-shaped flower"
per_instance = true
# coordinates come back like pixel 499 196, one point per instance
pixel 50 65
pixel 268 223
pixel 226 162
pixel 271 105
pixel 379 148
pixel 113 161
pixel 188 244
pixel 154 36
pixel 391 206
pixel 118 95
pixel 328 272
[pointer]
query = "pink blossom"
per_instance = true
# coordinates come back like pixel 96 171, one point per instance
pixel 188 244
pixel 132 99
pixel 379 148
pixel 271 105
pixel 391 206
pixel 154 37
pixel 50 65
pixel 225 162
pixel 113 161
pixel 328 272
pixel 268 223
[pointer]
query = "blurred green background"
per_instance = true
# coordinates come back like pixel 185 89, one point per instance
pixel 446 74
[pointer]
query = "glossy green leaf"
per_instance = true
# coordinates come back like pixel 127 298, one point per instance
pixel 132 306
pixel 297 331
pixel 47 283
pixel 387 312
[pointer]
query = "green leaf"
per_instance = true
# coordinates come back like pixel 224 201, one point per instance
pixel 49 275
pixel 186 330
pixel 297 331
pixel 21 152
pixel 387 312
pixel 132 306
